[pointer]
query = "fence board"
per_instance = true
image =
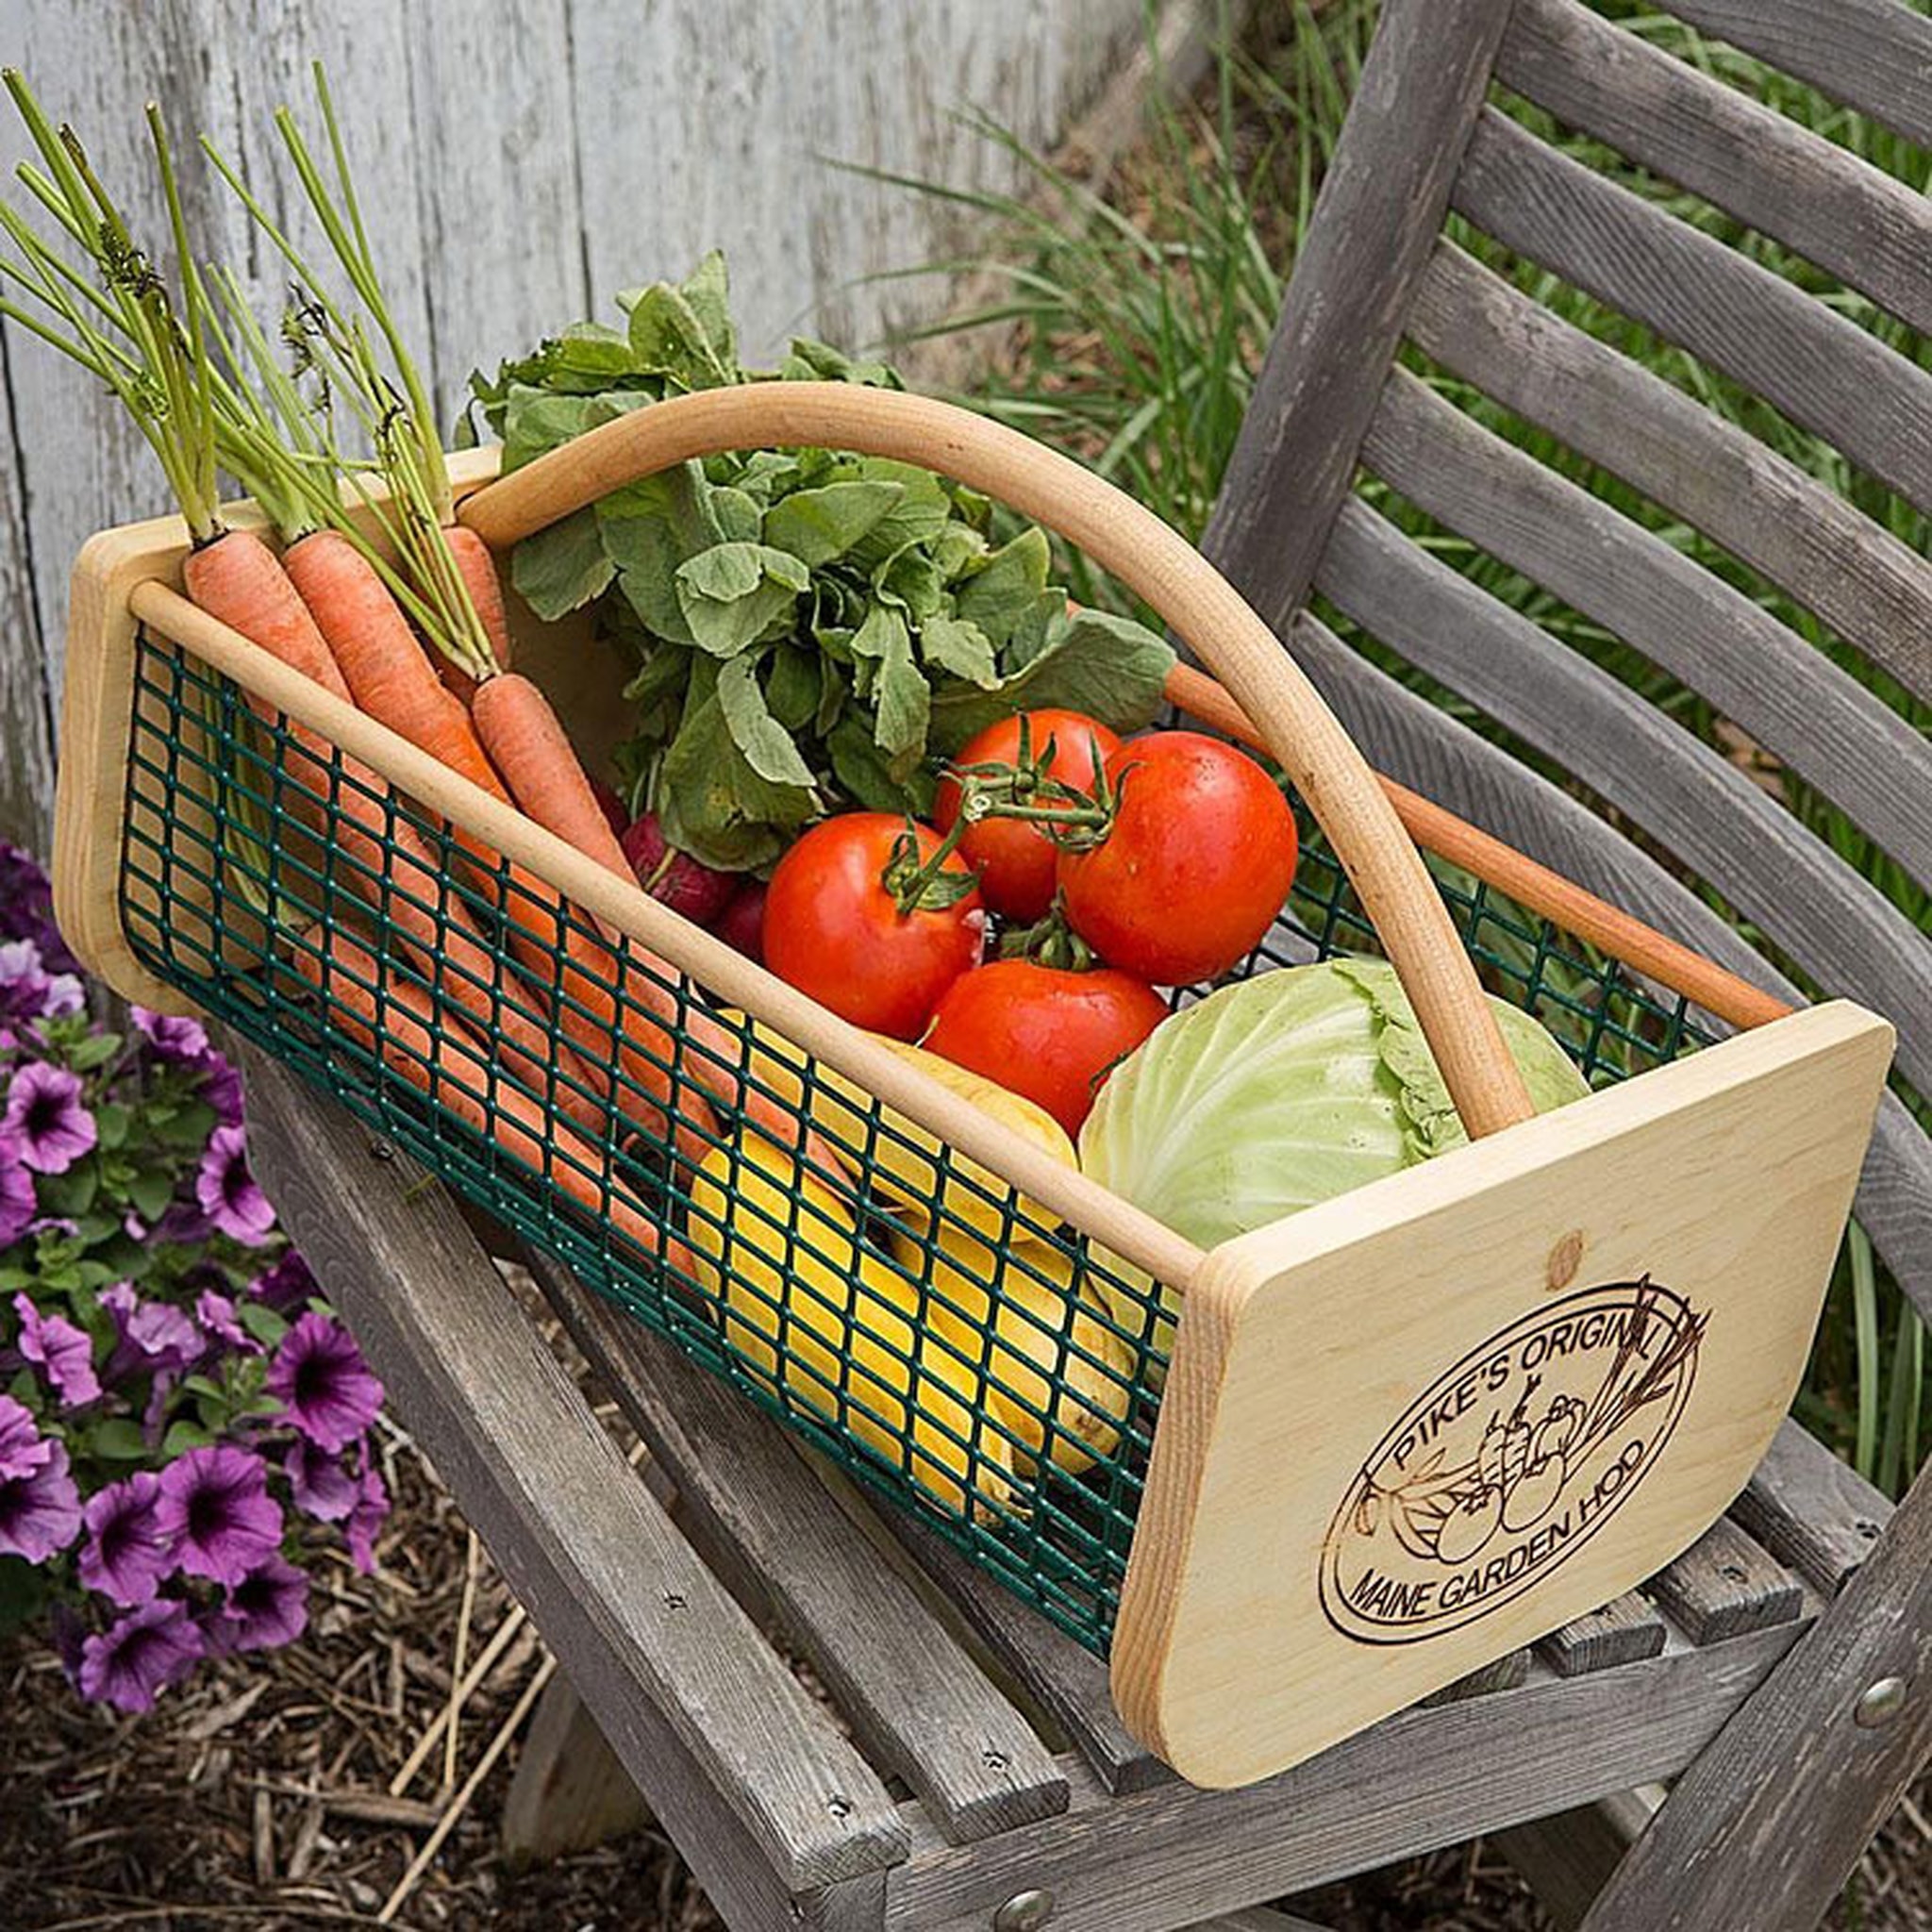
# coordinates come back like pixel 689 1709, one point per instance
pixel 519 162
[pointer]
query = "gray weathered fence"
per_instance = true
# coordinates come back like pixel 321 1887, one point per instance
pixel 521 160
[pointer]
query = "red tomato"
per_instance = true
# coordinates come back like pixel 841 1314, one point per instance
pixel 1015 859
pixel 1199 858
pixel 1051 1035
pixel 834 927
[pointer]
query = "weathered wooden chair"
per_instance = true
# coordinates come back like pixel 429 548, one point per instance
pixel 970 1771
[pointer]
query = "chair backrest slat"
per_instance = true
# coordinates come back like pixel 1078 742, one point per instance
pixel 1422 745
pixel 1381 208
pixel 1837 736
pixel 1674 405
pixel 1823 371
pixel 1694 801
pixel 1870 230
pixel 1873 55
pixel 1874 591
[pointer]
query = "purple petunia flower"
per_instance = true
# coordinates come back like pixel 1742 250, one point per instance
pixel 126 1556
pixel 215 1312
pixel 285 1284
pixel 62 1353
pixel 221 1090
pixel 216 1509
pixel 26 907
pixel 155 1338
pixel 44 1112
pixel 178 1040
pixel 40 1513
pixel 22 1448
pixel 330 1392
pixel 18 1205
pixel 228 1192
pixel 267 1609
pixel 22 985
pixel 148 1650
pixel 28 992
pixel 366 1519
pixel 65 994
pixel 320 1483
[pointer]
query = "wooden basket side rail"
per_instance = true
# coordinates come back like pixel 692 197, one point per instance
pixel 1536 887
pixel 1153 560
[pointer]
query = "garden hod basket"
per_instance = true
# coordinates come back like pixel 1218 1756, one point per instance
pixel 1291 1484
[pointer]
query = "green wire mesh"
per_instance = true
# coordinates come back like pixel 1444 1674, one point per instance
pixel 949 1343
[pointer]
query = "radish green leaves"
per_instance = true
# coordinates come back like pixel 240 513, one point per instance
pixel 806 629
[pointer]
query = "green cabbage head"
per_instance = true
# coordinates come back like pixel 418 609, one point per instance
pixel 1286 1090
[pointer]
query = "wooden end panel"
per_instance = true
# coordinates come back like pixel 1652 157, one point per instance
pixel 92 797
pixel 1414 1428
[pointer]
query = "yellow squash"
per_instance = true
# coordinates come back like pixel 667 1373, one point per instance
pixel 838 1331
pixel 1051 1366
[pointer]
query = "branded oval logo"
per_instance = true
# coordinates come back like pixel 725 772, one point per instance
pixel 1509 1462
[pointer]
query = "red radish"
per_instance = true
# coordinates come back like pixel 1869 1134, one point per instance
pixel 672 878
pixel 607 797
pixel 742 922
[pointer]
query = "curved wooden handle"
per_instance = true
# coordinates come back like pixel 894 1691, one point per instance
pixel 1152 559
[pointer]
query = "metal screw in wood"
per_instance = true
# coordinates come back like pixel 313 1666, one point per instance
pixel 1881 1703
pixel 1026 1911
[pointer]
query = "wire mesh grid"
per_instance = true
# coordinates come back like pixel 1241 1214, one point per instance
pixel 944 1340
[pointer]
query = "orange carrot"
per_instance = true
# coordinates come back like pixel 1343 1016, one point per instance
pixel 478 568
pixel 391 1014
pixel 238 579
pixel 590 975
pixel 388 676
pixel 386 669
pixel 529 746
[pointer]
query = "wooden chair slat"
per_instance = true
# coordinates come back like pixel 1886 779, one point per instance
pixel 1259 1920
pixel 1760 674
pixel 1872 55
pixel 1812 1510
pixel 1068 1683
pixel 1868 228
pixel 1621 1632
pixel 1422 748
pixel 1874 591
pixel 1792 1789
pixel 1428 1777
pixel 1689 797
pixel 1508 1671
pixel 1375 221
pixel 1724 1585
pixel 919 1704
pixel 715 1731
pixel 1823 371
